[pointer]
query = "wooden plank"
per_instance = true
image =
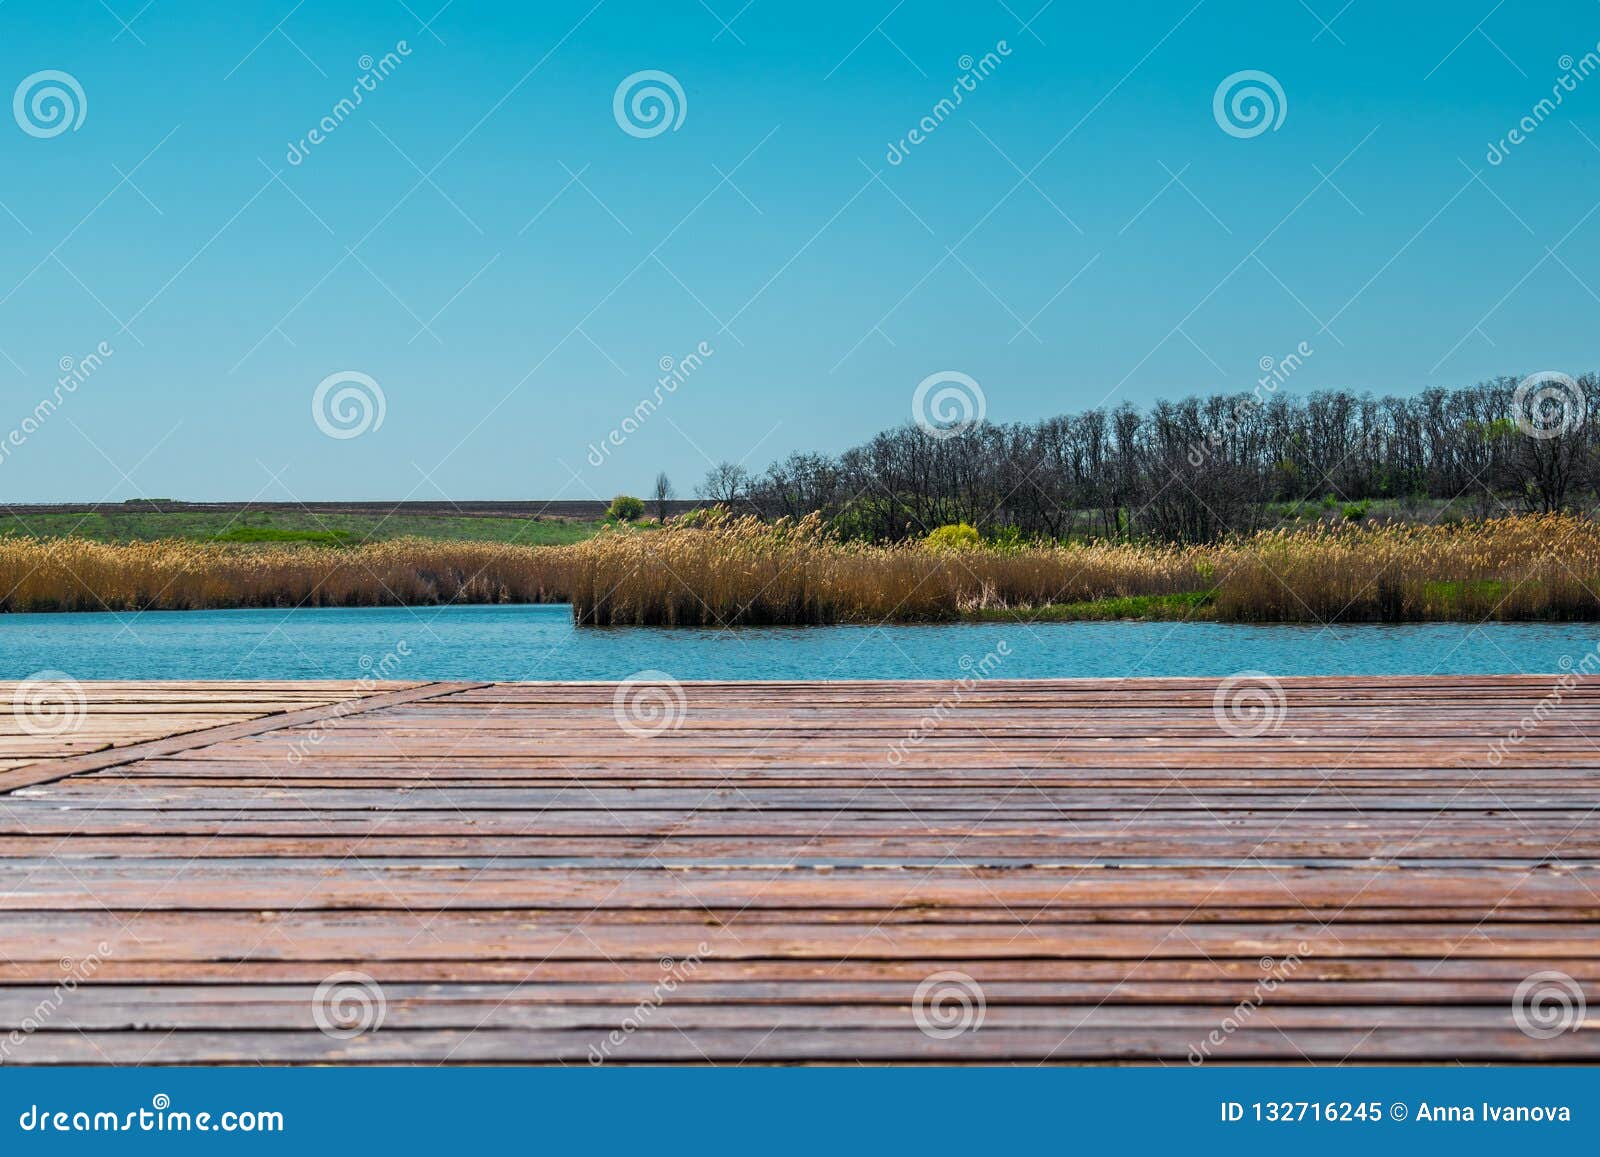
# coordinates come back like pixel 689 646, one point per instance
pixel 1122 851
pixel 108 1010
pixel 614 935
pixel 905 1045
pixel 237 1003
pixel 1418 980
pixel 1033 803
pixel 323 883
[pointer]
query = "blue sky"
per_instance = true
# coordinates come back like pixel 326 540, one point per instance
pixel 482 239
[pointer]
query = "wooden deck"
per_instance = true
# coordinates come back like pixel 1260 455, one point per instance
pixel 1040 871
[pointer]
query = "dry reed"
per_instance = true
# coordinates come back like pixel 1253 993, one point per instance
pixel 726 571
pixel 743 571
pixel 74 574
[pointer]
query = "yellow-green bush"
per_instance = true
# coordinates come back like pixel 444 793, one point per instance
pixel 956 536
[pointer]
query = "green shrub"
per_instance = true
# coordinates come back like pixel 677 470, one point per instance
pixel 625 508
pixel 1355 512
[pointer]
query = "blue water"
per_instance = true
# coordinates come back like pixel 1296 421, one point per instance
pixel 539 642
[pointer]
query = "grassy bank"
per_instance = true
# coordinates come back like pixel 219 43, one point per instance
pixel 138 524
pixel 1197 605
pixel 740 571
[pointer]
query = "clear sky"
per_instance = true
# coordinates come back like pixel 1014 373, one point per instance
pixel 488 243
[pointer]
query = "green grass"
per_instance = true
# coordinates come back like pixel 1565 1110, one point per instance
pixel 1450 594
pixel 279 534
pixel 1190 605
pixel 267 527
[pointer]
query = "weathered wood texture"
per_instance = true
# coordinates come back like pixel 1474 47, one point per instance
pixel 169 732
pixel 773 872
pixel 44 719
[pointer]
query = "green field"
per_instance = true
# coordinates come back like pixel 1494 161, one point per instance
pixel 272 526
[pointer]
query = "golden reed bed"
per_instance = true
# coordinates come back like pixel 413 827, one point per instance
pixel 741 571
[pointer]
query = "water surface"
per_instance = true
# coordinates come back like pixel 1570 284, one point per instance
pixel 540 642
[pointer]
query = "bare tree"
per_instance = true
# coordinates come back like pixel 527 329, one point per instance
pixel 662 495
pixel 726 483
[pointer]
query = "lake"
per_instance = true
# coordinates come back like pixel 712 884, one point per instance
pixel 540 642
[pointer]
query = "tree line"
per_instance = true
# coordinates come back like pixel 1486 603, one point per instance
pixel 1200 468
